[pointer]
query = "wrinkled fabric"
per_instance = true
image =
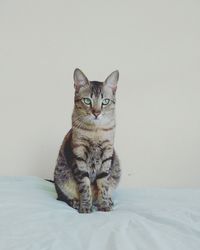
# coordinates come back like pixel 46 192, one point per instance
pixel 143 218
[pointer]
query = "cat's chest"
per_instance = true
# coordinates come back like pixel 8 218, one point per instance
pixel 94 161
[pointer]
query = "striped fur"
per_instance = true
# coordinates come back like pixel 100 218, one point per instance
pixel 88 168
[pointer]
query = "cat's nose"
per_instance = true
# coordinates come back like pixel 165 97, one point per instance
pixel 96 113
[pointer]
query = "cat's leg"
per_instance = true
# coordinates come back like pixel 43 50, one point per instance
pixel 106 183
pixel 104 198
pixel 85 193
pixel 84 187
pixel 95 196
pixel 81 175
pixel 104 201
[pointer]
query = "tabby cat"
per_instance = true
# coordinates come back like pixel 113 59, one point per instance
pixel 88 168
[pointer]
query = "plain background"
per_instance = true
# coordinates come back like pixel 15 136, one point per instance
pixel 156 47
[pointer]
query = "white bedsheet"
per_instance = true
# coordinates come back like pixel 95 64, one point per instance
pixel 150 219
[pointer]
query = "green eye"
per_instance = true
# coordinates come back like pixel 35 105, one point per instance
pixel 105 101
pixel 87 101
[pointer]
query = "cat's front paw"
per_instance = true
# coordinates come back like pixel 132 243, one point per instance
pixel 85 207
pixel 85 210
pixel 105 206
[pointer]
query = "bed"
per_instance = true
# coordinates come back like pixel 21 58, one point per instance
pixel 144 218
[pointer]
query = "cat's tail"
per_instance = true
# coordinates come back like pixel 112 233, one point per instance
pixel 49 180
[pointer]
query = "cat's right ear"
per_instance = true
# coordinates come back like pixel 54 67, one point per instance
pixel 80 79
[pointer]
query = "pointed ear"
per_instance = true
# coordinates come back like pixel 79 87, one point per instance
pixel 80 79
pixel 112 79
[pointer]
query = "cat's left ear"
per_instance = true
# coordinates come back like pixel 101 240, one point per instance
pixel 112 80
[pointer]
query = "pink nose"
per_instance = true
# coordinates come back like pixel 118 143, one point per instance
pixel 96 113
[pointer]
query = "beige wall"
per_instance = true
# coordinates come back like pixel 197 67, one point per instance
pixel 156 47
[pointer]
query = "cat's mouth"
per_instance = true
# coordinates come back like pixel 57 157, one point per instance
pixel 94 120
pixel 97 118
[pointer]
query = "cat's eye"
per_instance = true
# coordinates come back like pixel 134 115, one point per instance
pixel 106 101
pixel 87 101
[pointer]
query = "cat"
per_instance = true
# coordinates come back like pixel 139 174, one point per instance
pixel 88 168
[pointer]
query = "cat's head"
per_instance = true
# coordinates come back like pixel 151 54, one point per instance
pixel 95 101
